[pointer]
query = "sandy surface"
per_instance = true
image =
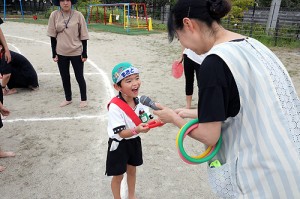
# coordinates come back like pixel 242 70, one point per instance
pixel 61 152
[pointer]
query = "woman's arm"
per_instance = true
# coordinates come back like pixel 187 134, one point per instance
pixel 84 48
pixel 5 47
pixel 53 46
pixel 207 133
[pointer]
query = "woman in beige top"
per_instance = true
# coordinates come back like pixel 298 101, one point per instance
pixel 68 32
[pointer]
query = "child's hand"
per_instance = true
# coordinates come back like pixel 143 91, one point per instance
pixel 155 123
pixel 142 128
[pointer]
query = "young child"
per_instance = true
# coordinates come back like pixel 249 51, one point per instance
pixel 124 126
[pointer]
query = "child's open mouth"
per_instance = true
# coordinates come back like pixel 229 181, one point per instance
pixel 135 90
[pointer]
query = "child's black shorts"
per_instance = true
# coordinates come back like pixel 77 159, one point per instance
pixel 122 153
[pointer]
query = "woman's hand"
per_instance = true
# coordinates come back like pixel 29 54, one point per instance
pixel 167 115
pixel 83 59
pixel 187 113
pixel 55 59
pixel 7 56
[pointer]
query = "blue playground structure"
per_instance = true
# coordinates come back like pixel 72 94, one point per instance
pixel 23 8
pixel 4 9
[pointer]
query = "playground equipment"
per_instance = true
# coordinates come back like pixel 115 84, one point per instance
pixel 4 9
pixel 23 8
pixel 128 15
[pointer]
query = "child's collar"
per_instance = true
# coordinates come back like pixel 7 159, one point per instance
pixel 135 99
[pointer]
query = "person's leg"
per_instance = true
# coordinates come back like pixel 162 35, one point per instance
pixel 189 80
pixel 116 186
pixel 1 96
pixel 78 67
pixel 134 148
pixel 188 101
pixel 9 81
pixel 5 154
pixel 9 91
pixel 64 70
pixel 131 180
pixel 2 168
pixel 190 68
pixel 2 116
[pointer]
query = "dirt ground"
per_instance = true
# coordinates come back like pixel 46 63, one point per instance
pixel 61 152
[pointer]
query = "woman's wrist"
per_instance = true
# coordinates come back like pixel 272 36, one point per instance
pixel 6 49
pixel 84 55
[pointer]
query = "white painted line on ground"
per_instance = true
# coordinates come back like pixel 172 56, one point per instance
pixel 17 49
pixel 46 74
pixel 109 89
pixel 107 84
pixel 102 117
pixel 25 38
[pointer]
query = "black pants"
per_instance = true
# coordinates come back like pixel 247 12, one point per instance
pixel 190 68
pixel 64 69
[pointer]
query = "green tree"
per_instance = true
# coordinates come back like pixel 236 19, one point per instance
pixel 239 7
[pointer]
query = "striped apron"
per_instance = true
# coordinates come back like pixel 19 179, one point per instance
pixel 260 152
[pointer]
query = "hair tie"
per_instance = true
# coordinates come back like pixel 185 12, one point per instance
pixel 214 6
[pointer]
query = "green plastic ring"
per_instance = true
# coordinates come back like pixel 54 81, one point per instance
pixel 185 155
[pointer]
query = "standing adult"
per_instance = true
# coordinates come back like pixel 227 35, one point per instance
pixel 3 110
pixel 246 94
pixel 69 34
pixel 191 63
pixel 19 73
